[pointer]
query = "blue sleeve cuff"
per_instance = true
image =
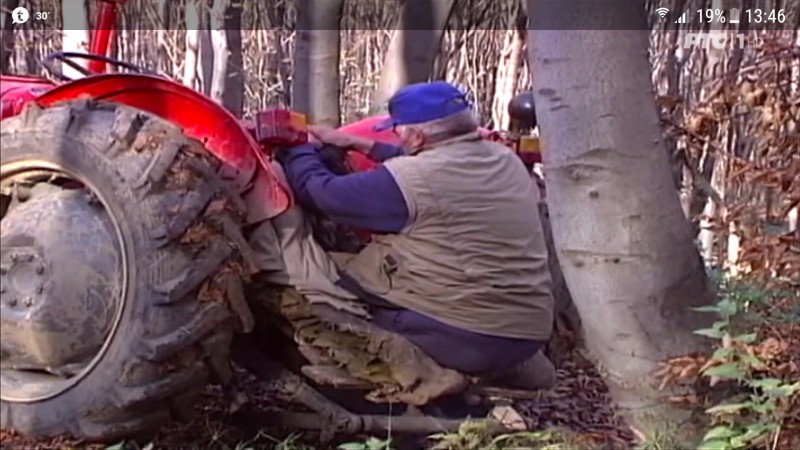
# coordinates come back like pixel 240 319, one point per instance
pixel 381 151
pixel 370 200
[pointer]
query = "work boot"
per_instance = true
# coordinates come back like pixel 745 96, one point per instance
pixel 535 373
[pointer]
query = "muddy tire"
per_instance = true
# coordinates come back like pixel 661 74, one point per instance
pixel 178 225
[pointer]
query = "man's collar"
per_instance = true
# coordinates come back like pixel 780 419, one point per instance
pixel 471 136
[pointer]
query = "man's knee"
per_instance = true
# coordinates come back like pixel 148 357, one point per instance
pixel 454 348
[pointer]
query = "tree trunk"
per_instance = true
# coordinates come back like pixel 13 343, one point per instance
pixel 7 44
pixel 315 75
pixel 625 247
pixel 506 79
pixel 164 64
pixel 795 90
pixel 233 98
pixel 714 68
pixel 567 330
pixel 206 51
pixel 32 65
pixel 75 37
pixel 219 44
pixel 414 46
pixel 795 84
pixel 192 54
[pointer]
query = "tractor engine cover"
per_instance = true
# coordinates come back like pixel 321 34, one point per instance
pixel 59 264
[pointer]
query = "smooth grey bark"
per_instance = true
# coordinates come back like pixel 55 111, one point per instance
pixel 315 75
pixel 8 36
pixel 219 44
pixel 164 63
pixel 414 46
pixel 192 54
pixel 75 34
pixel 206 54
pixel 233 98
pixel 625 246
pixel 507 73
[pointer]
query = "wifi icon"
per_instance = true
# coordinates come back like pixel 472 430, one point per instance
pixel 662 12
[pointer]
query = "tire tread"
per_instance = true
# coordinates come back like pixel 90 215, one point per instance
pixel 167 353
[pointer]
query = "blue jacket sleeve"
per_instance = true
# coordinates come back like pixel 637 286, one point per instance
pixel 369 200
pixel 382 151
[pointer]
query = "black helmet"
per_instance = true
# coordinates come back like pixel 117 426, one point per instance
pixel 522 111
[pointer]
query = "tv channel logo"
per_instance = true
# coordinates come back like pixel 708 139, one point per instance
pixel 20 15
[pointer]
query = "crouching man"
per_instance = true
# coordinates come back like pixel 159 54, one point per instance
pixel 458 265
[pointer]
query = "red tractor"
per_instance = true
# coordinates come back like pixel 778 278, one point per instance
pixel 127 199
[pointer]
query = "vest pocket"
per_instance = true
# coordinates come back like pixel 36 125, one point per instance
pixel 372 268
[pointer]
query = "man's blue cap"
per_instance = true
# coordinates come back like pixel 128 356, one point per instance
pixel 423 102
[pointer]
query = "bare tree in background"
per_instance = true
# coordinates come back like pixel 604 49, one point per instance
pixel 794 213
pixel 7 44
pixel 508 68
pixel 315 75
pixel 233 98
pixel 415 43
pixel 713 167
pixel 206 48
pixel 219 43
pixel 192 54
pixel 625 246
pixel 162 21
pixel 75 37
pixel 227 80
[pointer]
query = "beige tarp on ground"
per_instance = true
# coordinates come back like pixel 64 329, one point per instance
pixel 329 323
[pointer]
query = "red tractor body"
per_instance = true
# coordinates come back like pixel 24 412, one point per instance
pixel 17 91
pixel 199 117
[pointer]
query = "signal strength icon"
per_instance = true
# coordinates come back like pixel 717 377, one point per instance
pixel 684 18
pixel 662 12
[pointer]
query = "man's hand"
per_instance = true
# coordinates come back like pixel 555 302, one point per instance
pixel 328 135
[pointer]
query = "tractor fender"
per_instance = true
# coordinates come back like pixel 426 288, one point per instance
pixel 17 91
pixel 201 119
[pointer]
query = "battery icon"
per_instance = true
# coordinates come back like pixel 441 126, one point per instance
pixel 733 15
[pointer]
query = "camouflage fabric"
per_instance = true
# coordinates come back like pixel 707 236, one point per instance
pixel 326 336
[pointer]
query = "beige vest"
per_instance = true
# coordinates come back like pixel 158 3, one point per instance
pixel 473 254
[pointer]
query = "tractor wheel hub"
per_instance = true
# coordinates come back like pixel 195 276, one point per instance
pixel 59 273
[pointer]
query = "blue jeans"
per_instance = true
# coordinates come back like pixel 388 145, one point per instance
pixel 451 347
pixel 465 351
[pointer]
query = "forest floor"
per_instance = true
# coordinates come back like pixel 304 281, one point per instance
pixel 578 408
pixel 577 413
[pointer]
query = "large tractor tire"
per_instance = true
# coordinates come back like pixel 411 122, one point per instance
pixel 164 310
